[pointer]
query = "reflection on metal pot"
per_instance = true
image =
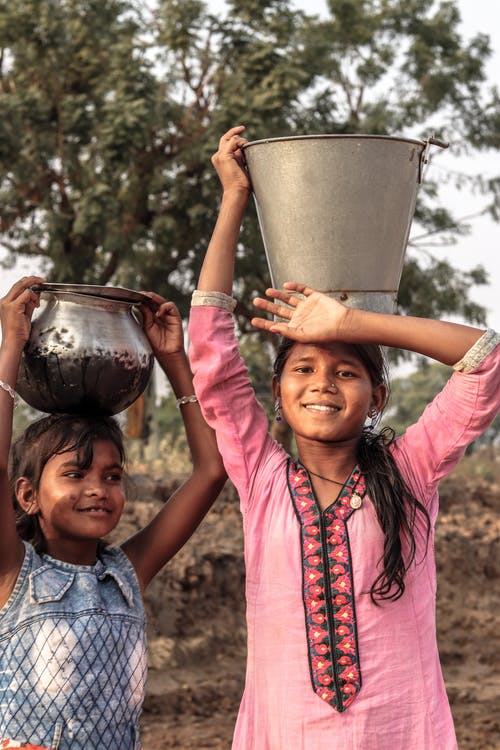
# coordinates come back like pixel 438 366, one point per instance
pixel 86 355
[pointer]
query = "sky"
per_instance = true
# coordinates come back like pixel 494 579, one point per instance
pixel 482 245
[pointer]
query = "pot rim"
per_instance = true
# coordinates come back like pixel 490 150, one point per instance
pixel 340 136
pixel 112 293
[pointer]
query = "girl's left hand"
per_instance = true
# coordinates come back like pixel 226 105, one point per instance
pixel 163 327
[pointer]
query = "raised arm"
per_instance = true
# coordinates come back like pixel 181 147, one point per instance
pixel 16 309
pixel 318 318
pixel 218 267
pixel 152 547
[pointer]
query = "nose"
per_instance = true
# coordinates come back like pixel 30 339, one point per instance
pixel 324 382
pixel 96 490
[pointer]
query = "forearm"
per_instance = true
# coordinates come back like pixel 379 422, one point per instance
pixel 9 366
pixel 11 548
pixel 200 437
pixel 217 271
pixel 442 341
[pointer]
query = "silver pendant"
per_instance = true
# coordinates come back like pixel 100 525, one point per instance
pixel 356 501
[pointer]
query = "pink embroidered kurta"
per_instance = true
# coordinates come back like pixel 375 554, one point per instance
pixel 402 703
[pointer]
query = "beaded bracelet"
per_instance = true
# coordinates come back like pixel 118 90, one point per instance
pixel 186 400
pixel 8 389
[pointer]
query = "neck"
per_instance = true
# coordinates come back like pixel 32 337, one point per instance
pixel 79 553
pixel 332 461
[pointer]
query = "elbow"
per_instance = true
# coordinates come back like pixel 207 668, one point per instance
pixel 217 475
pixel 213 473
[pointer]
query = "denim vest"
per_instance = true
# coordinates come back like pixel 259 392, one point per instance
pixel 73 654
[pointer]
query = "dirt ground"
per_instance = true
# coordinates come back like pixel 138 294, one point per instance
pixel 197 629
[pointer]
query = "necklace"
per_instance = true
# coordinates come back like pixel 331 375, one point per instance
pixel 333 481
pixel 356 500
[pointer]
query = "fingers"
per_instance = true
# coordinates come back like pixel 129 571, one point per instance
pixel 270 325
pixel 274 309
pixel 231 137
pixel 283 296
pixel 23 285
pixel 235 130
pixel 168 308
pixel 295 286
pixel 160 309
pixel 230 145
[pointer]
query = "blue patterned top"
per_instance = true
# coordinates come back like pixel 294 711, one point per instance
pixel 73 654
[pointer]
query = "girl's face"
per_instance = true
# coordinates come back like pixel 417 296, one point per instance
pixel 77 506
pixel 326 393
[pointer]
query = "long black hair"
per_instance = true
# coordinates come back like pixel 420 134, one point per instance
pixel 394 503
pixel 44 438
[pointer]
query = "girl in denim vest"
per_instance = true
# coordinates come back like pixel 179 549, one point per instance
pixel 72 623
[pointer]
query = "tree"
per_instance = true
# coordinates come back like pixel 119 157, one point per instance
pixel 411 394
pixel 110 110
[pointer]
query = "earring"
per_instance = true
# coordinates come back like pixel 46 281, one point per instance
pixel 277 410
pixel 373 414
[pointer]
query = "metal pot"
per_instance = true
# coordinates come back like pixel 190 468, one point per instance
pixel 87 352
pixel 335 211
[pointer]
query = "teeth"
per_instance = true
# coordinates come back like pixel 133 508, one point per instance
pixel 94 510
pixel 321 407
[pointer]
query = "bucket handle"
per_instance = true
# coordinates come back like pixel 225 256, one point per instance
pixel 425 156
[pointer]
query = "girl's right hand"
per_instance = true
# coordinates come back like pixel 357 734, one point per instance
pixel 229 163
pixel 313 318
pixel 16 309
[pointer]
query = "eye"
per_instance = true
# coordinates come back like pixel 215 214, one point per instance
pixel 114 476
pixel 346 374
pixel 303 369
pixel 73 474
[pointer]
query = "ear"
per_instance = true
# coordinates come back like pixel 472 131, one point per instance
pixel 379 397
pixel 275 388
pixel 26 496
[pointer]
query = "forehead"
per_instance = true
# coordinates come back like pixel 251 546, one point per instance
pixel 334 351
pixel 103 451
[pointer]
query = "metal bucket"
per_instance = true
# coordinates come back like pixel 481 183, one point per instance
pixel 335 211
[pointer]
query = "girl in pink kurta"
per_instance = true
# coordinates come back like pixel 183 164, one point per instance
pixel 340 570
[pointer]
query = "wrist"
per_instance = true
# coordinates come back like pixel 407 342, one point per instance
pixel 173 361
pixel 236 194
pixel 12 344
pixel 10 359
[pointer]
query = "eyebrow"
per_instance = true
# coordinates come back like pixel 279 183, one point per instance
pixel 343 361
pixel 75 464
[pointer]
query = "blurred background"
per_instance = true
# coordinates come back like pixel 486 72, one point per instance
pixel 110 111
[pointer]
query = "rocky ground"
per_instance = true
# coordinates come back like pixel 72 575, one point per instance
pixel 197 629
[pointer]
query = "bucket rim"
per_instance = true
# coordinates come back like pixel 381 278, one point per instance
pixel 331 136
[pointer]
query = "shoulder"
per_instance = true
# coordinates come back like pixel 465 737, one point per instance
pixel 14 590
pixel 116 557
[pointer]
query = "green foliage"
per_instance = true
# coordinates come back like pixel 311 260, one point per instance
pixel 411 394
pixel 111 109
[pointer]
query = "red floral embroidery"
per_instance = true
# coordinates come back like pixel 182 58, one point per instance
pixel 328 589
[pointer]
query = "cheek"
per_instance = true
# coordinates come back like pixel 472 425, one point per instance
pixel 120 503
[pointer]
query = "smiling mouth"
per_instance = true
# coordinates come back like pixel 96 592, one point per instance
pixel 322 408
pixel 95 511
